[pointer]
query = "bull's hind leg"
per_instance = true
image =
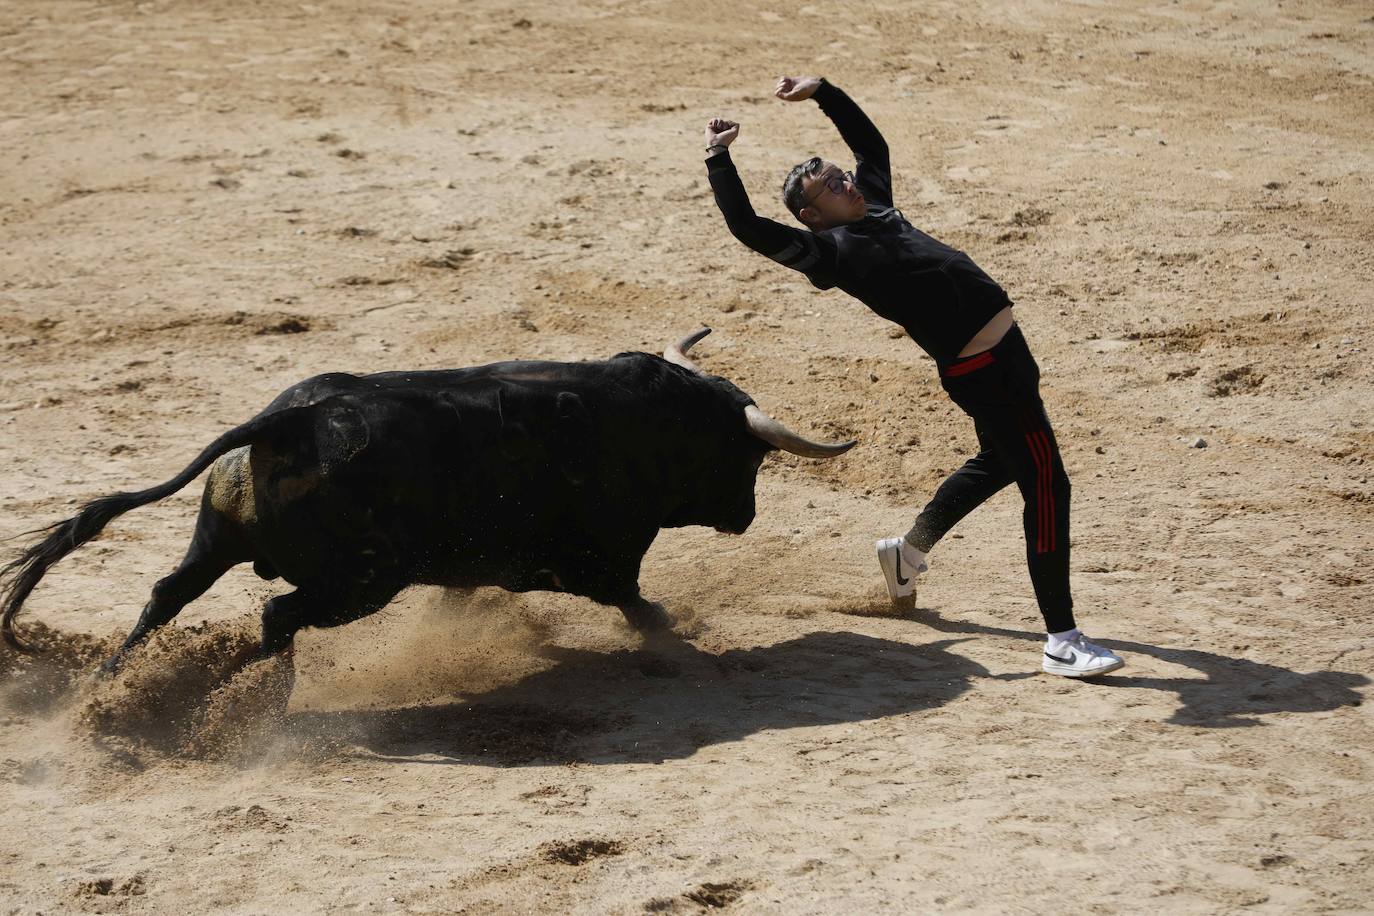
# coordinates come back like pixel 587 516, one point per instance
pixel 214 550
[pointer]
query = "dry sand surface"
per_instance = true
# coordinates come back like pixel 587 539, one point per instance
pixel 203 202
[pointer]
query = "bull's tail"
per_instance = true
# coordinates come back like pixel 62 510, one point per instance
pixel 18 578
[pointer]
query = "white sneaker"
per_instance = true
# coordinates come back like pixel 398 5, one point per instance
pixel 1079 658
pixel 900 571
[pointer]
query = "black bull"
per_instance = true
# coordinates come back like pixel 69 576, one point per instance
pixel 524 475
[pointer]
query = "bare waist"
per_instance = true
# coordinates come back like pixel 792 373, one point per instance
pixel 989 335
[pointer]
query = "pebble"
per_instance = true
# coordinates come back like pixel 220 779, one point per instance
pixel 1199 442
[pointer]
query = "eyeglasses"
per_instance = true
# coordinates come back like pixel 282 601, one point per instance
pixel 835 184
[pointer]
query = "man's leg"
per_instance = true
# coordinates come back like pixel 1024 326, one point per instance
pixel 1016 443
pixel 1022 438
pixel 902 559
pixel 966 489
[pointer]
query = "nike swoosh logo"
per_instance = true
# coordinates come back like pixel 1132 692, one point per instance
pixel 1062 661
pixel 900 580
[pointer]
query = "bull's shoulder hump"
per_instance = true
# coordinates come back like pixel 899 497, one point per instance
pixel 526 373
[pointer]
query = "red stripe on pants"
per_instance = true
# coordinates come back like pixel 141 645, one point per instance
pixel 1039 445
pixel 1049 490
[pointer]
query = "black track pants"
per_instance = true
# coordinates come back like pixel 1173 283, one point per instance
pixel 1000 390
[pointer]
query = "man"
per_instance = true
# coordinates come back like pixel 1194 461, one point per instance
pixel 855 240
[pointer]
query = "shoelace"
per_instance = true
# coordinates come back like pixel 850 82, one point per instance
pixel 1080 642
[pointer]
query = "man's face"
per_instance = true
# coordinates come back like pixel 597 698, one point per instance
pixel 831 198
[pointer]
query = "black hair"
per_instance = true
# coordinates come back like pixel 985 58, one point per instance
pixel 793 194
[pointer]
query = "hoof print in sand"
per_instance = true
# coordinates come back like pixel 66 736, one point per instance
pixel 90 888
pixel 576 852
pixel 709 896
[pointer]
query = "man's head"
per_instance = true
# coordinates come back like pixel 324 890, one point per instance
pixel 821 195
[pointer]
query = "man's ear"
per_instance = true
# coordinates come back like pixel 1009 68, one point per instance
pixel 808 217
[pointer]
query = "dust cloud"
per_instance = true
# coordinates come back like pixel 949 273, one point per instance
pixel 201 692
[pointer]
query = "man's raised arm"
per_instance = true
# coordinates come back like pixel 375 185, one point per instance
pixel 795 248
pixel 873 169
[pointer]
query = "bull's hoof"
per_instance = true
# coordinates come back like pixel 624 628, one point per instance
pixel 648 617
pixel 110 666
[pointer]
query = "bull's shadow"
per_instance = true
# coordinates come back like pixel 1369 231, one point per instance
pixel 1233 694
pixel 660 703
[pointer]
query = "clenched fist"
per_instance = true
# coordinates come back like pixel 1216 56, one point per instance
pixel 720 132
pixel 796 88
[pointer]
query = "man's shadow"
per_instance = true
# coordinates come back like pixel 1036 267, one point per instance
pixel 664 701
pixel 1233 693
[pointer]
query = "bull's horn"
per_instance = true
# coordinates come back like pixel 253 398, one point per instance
pixel 760 424
pixel 779 436
pixel 677 353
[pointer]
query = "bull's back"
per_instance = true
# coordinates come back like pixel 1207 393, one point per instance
pixel 640 374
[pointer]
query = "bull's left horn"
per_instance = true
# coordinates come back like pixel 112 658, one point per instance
pixel 677 353
pixel 779 436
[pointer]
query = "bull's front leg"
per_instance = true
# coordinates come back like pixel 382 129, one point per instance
pixel 612 577
pixel 645 616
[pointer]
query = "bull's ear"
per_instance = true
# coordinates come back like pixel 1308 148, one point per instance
pixel 573 422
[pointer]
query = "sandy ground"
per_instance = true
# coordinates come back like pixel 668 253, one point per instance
pixel 203 202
